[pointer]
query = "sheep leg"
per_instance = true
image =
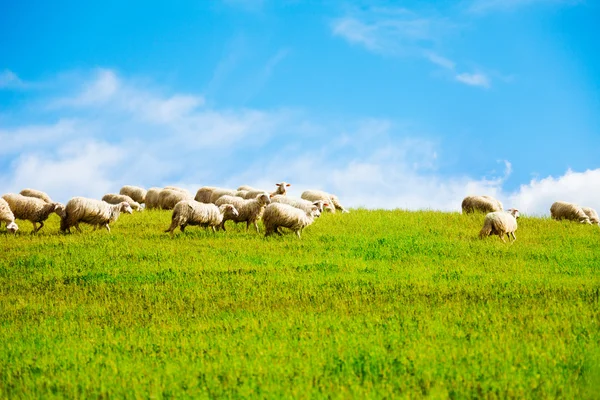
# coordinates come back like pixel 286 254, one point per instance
pixel 256 226
pixel 107 227
pixel 213 229
pixel 298 233
pixel 182 227
pixel 41 226
pixel 34 228
pixel 223 226
pixel 502 238
pixel 77 227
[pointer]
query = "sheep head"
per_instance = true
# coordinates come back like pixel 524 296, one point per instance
pixel 12 227
pixel 125 207
pixel 60 210
pixel 229 211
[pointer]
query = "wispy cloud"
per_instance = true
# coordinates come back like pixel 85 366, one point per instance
pixel 476 79
pixel 10 80
pixel 489 6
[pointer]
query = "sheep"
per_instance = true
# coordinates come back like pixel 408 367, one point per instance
pixel 32 209
pixel 220 192
pixel 592 215
pixel 93 212
pixel 283 215
pixel 113 198
pixel 251 193
pixel 167 198
pixel 151 199
pixel 7 216
pixel 333 203
pixel 203 194
pixel 249 210
pixel 486 204
pixel 178 189
pixel 136 193
pixel 304 205
pixel 37 194
pixel 500 223
pixel 192 212
pixel 563 210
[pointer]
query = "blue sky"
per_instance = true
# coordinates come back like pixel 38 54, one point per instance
pixel 407 104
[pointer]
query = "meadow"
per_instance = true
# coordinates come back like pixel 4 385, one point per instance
pixel 370 304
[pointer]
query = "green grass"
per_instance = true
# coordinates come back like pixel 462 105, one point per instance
pixel 367 304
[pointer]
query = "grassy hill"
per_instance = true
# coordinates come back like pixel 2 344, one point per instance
pixel 371 303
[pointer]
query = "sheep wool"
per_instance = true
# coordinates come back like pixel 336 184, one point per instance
pixel 278 215
pixel 592 215
pixel 113 198
pixel 486 204
pixel 220 192
pixel 304 205
pixel 167 198
pixel 32 209
pixel 203 194
pixel 192 212
pixel 500 223
pixel 570 211
pixel 37 194
pixel 249 210
pixel 136 193
pixel 91 211
pixel 331 199
pixel 251 193
pixel 152 198
pixel 7 216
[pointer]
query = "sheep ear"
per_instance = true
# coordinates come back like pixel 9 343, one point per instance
pixel 325 204
pixel 288 184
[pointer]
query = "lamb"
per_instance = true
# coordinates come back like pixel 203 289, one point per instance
pixel 249 210
pixel 32 209
pixel 136 193
pixel 333 203
pixel 563 210
pixel 592 215
pixel 93 212
pixel 192 212
pixel 167 198
pixel 113 198
pixel 304 205
pixel 37 194
pixel 500 223
pixel 251 193
pixel 151 199
pixel 283 215
pixel 7 216
pixel 486 204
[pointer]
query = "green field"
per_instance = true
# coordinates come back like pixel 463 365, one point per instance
pixel 368 304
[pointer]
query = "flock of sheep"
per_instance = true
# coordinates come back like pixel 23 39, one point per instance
pixel 500 222
pixel 213 206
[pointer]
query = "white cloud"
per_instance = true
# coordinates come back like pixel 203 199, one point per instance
pixel 439 60
pixel 488 6
pixel 10 80
pixel 476 79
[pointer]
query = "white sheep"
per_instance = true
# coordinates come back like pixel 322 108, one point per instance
pixel 500 223
pixel 248 192
pixel 137 193
pixel 113 198
pixel 486 204
pixel 220 192
pixel 570 211
pixel 203 194
pixel 167 198
pixel 302 204
pixel 151 199
pixel 278 215
pixel 249 210
pixel 37 194
pixel 178 189
pixel 192 212
pixel 91 211
pixel 32 209
pixel 329 198
pixel 7 216
pixel 592 215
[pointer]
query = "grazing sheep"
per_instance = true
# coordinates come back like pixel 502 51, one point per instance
pixel 37 194
pixel 220 192
pixel 249 210
pixel 136 193
pixel 304 205
pixel 192 212
pixel 113 198
pixel 251 193
pixel 486 204
pixel 500 223
pixel 93 212
pixel 203 194
pixel 152 198
pixel 592 215
pixel 563 210
pixel 278 215
pixel 331 199
pixel 167 198
pixel 7 216
pixel 32 209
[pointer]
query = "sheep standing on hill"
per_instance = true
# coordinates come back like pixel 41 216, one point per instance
pixel 113 198
pixel 7 216
pixel 191 212
pixel 278 215
pixel 93 212
pixel 249 210
pixel 500 223
pixel 32 209
pixel 151 199
pixel 592 215
pixel 37 194
pixel 167 198
pixel 304 205
pixel 136 193
pixel 329 198
pixel 486 204
pixel 563 210
pixel 251 193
